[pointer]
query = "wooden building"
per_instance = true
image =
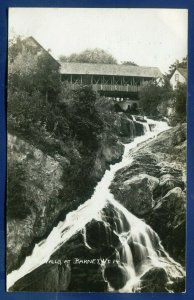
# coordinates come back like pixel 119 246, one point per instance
pixel 179 75
pixel 34 47
pixel 118 81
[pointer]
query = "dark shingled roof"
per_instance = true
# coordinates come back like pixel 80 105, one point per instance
pixel 109 69
pixel 183 72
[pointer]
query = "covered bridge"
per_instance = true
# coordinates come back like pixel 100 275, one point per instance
pixel 119 81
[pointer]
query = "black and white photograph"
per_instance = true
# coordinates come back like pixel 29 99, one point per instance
pixel 96 150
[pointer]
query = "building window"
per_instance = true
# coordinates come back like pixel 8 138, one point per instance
pixel 176 77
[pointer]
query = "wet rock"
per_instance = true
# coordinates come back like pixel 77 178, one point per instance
pixel 115 219
pixel 178 285
pixel 112 154
pixel 168 220
pixel 154 280
pixel 48 277
pixel 168 182
pixel 139 129
pixel 143 163
pixel 116 275
pixel 100 234
pixel 136 193
pixel 127 128
pixel 87 279
pixel 140 118
pixel 164 159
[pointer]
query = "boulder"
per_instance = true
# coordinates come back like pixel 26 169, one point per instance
pixel 116 275
pixel 48 277
pixel 136 193
pixel 168 182
pixel 139 130
pixel 99 234
pixel 154 280
pixel 140 118
pixel 112 153
pixel 167 218
pixel 127 128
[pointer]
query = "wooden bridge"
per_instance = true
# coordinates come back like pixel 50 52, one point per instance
pixel 109 87
pixel 118 81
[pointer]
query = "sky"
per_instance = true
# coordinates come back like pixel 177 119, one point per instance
pixel 149 37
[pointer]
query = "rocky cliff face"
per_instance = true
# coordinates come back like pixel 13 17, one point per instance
pixel 38 205
pixel 98 259
pixel 153 188
pixel 43 188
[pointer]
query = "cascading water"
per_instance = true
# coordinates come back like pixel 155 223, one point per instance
pixel 139 244
pixel 138 241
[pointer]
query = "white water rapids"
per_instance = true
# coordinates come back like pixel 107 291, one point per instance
pixel 92 209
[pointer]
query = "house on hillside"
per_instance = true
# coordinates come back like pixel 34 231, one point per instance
pixel 179 75
pixel 33 46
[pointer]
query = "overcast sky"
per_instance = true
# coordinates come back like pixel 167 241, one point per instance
pixel 149 37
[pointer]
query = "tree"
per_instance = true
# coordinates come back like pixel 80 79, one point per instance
pixel 15 47
pixel 149 97
pixel 156 100
pixel 84 118
pixel 98 56
pixel 181 100
pixel 30 69
pixel 34 87
pixel 22 70
pixel 129 63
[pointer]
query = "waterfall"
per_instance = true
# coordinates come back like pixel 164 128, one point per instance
pixel 136 238
pixel 139 243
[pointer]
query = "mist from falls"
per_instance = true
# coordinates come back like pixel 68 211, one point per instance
pixel 137 239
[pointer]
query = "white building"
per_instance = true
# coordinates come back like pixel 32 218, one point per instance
pixel 179 75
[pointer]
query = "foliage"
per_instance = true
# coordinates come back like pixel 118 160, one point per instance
pixel 181 101
pixel 37 102
pixel 155 100
pixel 166 94
pixel 150 96
pixel 84 119
pixel 129 63
pixel 34 86
pixel 15 47
pixel 98 56
pixel 31 72
pixel 60 122
pixel 104 105
pixel 22 71
pixel 16 192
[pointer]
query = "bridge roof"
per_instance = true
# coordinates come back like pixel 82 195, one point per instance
pixel 109 69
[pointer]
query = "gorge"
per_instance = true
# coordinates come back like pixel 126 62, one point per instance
pixel 107 244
